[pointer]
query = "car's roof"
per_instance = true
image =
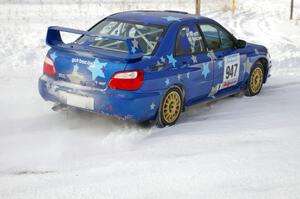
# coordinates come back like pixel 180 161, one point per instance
pixel 163 18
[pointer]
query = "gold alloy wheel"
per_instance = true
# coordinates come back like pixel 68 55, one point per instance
pixel 171 107
pixel 256 80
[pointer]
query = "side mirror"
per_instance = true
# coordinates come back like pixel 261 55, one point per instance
pixel 241 43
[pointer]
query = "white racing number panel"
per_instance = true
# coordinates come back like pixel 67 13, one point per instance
pixel 231 70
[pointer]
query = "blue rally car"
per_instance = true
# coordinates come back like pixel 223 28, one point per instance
pixel 149 65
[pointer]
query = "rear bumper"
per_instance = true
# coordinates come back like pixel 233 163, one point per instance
pixel 124 104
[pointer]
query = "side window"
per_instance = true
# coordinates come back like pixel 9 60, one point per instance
pixel 226 41
pixel 188 41
pixel 211 35
pixel 216 38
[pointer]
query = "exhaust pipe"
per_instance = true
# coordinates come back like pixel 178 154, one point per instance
pixel 60 107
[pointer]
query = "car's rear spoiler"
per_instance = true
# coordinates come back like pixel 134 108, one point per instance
pixel 54 40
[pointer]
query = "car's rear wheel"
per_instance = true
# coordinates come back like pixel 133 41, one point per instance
pixel 170 108
pixel 255 81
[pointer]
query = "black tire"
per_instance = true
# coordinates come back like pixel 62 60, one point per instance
pixel 255 81
pixel 161 120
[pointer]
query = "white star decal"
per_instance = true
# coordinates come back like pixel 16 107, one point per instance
pixel 133 49
pixel 135 43
pixel 247 65
pixel 172 60
pixel 220 64
pixel 53 56
pixel 179 77
pixel 167 82
pixel 194 58
pixel 162 59
pixel 205 70
pixel 214 90
pixel 97 69
pixel 152 106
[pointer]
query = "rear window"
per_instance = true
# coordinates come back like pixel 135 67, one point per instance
pixel 146 36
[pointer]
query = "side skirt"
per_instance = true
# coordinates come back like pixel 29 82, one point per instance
pixel 218 96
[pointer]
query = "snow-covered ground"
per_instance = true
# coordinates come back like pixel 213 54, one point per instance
pixel 238 147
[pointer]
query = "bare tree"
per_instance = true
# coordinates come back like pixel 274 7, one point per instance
pixel 198 6
pixel 292 9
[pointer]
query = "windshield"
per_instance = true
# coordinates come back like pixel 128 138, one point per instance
pixel 146 36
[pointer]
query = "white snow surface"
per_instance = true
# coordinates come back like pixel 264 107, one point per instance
pixel 238 147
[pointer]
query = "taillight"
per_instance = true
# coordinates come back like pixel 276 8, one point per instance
pixel 49 68
pixel 127 80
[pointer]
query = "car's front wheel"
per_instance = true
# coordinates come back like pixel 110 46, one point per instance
pixel 255 81
pixel 170 108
